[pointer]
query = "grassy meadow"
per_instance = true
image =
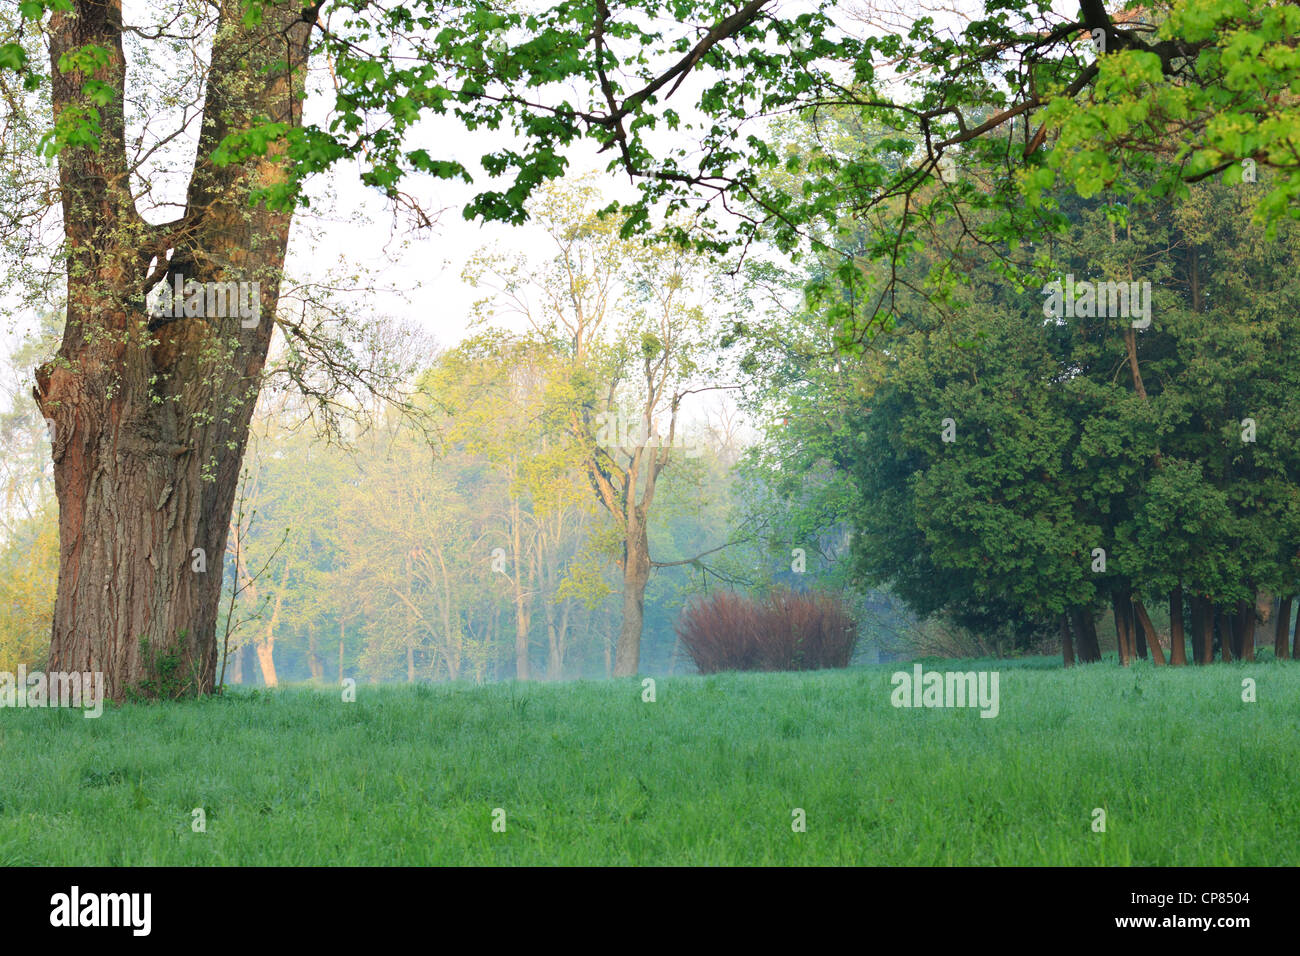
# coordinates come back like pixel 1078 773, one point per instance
pixel 709 773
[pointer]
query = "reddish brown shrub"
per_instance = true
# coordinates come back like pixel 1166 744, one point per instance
pixel 785 631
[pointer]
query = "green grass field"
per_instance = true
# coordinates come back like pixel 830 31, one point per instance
pixel 710 773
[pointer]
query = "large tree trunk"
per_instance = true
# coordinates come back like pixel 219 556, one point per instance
pixel 1203 628
pixel 1280 628
pixel 150 419
pixel 636 575
pixel 1085 629
pixel 1177 639
pixel 1243 631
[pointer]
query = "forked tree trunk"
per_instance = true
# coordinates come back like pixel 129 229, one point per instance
pixel 266 646
pixel 1152 640
pixel 150 419
pixel 266 661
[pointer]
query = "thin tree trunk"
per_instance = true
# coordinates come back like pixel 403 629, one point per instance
pixel 1224 622
pixel 552 643
pixel 1295 642
pixel 1280 628
pixel 636 575
pixel 1123 632
pixel 453 637
pixel 521 606
pixel 1067 644
pixel 1177 639
pixel 313 658
pixel 562 637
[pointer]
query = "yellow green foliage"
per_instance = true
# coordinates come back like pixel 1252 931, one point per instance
pixel 29 567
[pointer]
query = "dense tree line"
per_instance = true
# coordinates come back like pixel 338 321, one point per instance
pixel 1020 464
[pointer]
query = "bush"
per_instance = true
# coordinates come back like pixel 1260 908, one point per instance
pixel 785 631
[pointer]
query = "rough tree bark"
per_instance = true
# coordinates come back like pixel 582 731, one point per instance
pixel 150 420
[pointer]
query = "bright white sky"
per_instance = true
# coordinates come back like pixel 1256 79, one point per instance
pixel 359 228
